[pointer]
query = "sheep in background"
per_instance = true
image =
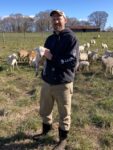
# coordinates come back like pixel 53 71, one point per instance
pixel 92 41
pixel 104 46
pixel 107 63
pixel 108 53
pixel 87 45
pixel 12 61
pixel 81 48
pixel 93 55
pixel 98 36
pixel 83 56
pixel 84 65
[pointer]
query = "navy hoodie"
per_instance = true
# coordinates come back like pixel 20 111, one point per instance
pixel 65 51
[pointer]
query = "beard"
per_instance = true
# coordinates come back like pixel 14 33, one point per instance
pixel 58 28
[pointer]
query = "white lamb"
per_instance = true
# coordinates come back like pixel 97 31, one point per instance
pixel 12 61
pixel 39 57
pixel 87 45
pixel 107 62
pixel 81 48
pixel 92 41
pixel 83 56
pixel 104 46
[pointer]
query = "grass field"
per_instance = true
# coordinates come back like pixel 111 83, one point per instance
pixel 92 103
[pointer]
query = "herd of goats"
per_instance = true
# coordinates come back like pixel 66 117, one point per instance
pixel 87 56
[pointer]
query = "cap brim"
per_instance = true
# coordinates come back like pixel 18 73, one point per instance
pixel 56 12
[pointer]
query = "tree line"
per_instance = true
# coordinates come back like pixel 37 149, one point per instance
pixel 41 22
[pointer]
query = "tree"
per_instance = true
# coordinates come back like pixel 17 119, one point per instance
pixel 72 22
pixel 98 18
pixel 43 21
pixel 109 29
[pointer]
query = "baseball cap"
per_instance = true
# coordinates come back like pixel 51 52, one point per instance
pixel 61 13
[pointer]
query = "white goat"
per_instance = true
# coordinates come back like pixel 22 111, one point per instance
pixel 12 61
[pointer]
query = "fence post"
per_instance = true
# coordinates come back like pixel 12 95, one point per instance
pixel 3 37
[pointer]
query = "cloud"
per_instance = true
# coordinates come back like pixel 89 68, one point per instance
pixel 83 19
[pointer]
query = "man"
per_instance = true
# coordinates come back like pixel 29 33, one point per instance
pixel 62 57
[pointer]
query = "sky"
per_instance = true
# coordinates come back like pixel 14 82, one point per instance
pixel 79 9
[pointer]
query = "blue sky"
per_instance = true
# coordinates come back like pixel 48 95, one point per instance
pixel 80 9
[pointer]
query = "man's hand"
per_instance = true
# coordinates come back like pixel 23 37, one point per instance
pixel 48 54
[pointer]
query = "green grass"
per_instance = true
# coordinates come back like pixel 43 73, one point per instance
pixel 92 103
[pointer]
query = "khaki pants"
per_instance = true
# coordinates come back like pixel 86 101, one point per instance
pixel 62 94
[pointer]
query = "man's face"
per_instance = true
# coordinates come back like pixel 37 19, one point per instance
pixel 58 22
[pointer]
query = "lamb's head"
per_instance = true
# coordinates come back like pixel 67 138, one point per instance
pixel 14 56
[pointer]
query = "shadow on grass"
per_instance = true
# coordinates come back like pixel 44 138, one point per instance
pixel 1 68
pixel 21 141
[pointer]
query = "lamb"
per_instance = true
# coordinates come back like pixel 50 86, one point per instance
pixel 84 65
pixel 92 55
pixel 87 45
pixel 107 63
pixel 32 56
pixel 92 41
pixel 104 46
pixel 83 56
pixel 98 36
pixel 12 61
pixel 81 48
pixel 39 60
pixel 108 53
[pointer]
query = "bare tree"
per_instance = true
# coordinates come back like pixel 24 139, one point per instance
pixel 98 18
pixel 109 29
pixel 42 21
pixel 72 21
